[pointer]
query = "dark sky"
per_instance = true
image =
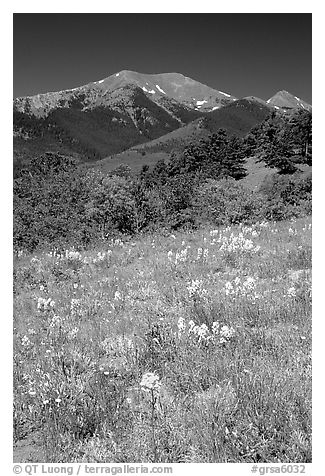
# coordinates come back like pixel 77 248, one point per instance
pixel 242 54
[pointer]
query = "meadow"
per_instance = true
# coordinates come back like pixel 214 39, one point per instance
pixel 184 348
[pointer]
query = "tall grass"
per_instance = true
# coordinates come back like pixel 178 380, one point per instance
pixel 221 318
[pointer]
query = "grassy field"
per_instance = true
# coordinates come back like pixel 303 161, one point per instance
pixel 132 157
pixel 193 347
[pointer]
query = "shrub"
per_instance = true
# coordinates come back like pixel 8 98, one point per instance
pixel 48 203
pixel 111 204
pixel 287 196
pixel 226 202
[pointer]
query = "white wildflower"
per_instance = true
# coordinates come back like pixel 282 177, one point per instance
pixel 117 296
pixel 264 224
pixel 45 304
pixel 229 288
pixel 75 306
pixel 227 332
pixel 150 382
pixel 195 288
pixel 215 327
pixel 73 333
pixel 181 326
pixel 72 255
pixel 191 325
pixel 55 321
pixel 250 283
pixel 25 341
pixel 203 331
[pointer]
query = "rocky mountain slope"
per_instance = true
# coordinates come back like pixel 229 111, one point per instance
pixel 158 87
pixel 237 118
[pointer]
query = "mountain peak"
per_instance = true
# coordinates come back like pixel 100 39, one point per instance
pixel 286 101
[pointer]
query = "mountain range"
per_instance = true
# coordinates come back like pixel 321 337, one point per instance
pixel 133 110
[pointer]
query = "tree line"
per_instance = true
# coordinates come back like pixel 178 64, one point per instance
pixel 58 201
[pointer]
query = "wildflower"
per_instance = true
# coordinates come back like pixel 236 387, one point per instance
pixel 291 292
pixel 45 402
pixel 117 296
pixel 55 321
pixel 118 345
pixel 170 255
pixel 45 304
pixel 32 393
pixel 72 255
pixel 195 288
pixel 215 327
pixel 150 381
pixel 181 326
pixel 237 243
pixel 227 332
pixel 264 224
pixel 191 325
pixel 181 255
pixel 250 283
pixel 25 341
pixel 229 288
pixel 75 306
pixel 203 331
pixel 58 400
pixel 73 333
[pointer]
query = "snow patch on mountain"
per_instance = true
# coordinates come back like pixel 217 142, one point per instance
pixel 150 91
pixel 159 89
pixel 199 103
pixel 225 94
